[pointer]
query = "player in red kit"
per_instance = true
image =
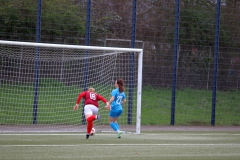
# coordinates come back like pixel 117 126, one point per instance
pixel 91 99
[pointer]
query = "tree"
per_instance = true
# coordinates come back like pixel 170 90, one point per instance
pixel 59 18
pixel 62 18
pixel 197 24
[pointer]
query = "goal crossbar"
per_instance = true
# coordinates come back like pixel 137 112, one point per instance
pixel 69 46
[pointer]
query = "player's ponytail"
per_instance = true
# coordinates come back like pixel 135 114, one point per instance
pixel 120 85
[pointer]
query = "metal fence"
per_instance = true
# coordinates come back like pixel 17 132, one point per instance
pixel 187 44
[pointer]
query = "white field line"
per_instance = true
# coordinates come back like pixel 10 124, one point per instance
pixel 230 144
pixel 103 134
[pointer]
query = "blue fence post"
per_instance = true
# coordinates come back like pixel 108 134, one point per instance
pixel 216 49
pixel 131 74
pixel 175 58
pixel 87 43
pixel 36 67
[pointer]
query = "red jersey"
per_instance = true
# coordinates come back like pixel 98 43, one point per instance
pixel 90 98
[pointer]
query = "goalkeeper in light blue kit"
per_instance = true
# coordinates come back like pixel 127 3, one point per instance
pixel 116 101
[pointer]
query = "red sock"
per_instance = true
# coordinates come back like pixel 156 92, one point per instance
pixel 90 123
pixel 91 118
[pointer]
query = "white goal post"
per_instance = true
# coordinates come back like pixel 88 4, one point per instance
pixel 40 82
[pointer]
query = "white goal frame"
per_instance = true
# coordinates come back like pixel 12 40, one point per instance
pixel 132 50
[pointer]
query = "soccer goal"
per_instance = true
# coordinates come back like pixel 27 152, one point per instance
pixel 40 82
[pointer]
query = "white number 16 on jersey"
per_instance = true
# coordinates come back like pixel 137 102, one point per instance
pixel 93 96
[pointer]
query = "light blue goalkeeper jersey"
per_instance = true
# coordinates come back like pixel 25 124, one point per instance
pixel 118 97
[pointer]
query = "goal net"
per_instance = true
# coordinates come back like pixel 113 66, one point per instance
pixel 40 82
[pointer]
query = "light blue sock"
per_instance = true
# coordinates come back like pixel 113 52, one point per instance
pixel 114 126
pixel 117 126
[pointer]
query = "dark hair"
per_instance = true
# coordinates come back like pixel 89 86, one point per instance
pixel 120 85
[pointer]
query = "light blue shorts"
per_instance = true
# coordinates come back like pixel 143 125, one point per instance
pixel 115 113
